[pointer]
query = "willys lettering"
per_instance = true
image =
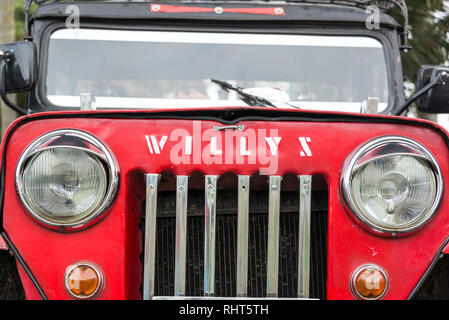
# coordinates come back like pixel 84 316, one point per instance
pixel 210 146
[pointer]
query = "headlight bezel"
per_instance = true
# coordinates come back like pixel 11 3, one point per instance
pixel 80 140
pixel 365 154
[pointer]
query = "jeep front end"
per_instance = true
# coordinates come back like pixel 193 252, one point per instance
pixel 167 184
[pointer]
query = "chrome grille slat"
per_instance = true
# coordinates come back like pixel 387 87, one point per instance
pixel 242 235
pixel 152 181
pixel 274 199
pixel 305 185
pixel 182 183
pixel 209 234
pixel 272 260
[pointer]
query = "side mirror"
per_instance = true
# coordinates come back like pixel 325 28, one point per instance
pixel 435 100
pixel 17 67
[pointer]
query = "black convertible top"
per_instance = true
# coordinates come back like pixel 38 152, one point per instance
pixel 304 11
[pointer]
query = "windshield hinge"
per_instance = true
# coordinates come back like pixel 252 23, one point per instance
pixel 87 101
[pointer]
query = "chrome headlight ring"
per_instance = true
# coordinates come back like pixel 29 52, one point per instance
pixel 79 141
pixel 383 148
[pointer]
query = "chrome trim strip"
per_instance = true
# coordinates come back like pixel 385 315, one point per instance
pixel 227 298
pixel 242 235
pixel 44 148
pixel 239 127
pixel 152 181
pixel 305 187
pixel 273 236
pixel 357 166
pixel 209 233
pixel 182 183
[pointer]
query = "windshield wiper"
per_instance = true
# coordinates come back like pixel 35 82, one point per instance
pixel 249 99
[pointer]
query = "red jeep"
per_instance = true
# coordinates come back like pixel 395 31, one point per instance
pixel 221 149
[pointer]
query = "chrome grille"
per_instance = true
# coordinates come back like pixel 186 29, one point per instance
pixel 239 254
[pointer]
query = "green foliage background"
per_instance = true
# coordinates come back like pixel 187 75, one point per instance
pixel 429 21
pixel 19 16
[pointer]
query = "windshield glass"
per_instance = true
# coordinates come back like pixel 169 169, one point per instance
pixel 154 69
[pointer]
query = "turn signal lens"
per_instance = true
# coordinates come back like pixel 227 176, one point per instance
pixel 369 283
pixel 84 281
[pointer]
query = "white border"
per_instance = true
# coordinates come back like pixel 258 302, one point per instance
pixel 147 103
pixel 216 38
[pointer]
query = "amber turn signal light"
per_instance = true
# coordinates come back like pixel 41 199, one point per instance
pixel 84 280
pixel 369 282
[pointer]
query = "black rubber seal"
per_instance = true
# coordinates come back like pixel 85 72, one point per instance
pixel 24 265
pixel 428 271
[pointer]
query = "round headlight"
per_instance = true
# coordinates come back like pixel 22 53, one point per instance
pixel 392 184
pixel 66 179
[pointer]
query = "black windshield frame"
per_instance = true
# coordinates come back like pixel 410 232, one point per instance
pixel 39 101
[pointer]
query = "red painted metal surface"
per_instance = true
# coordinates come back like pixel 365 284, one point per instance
pixel 115 242
pixel 446 249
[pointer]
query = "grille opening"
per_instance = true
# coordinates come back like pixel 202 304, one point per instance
pixel 435 286
pixel 226 237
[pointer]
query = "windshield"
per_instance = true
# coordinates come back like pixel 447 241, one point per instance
pixel 154 69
